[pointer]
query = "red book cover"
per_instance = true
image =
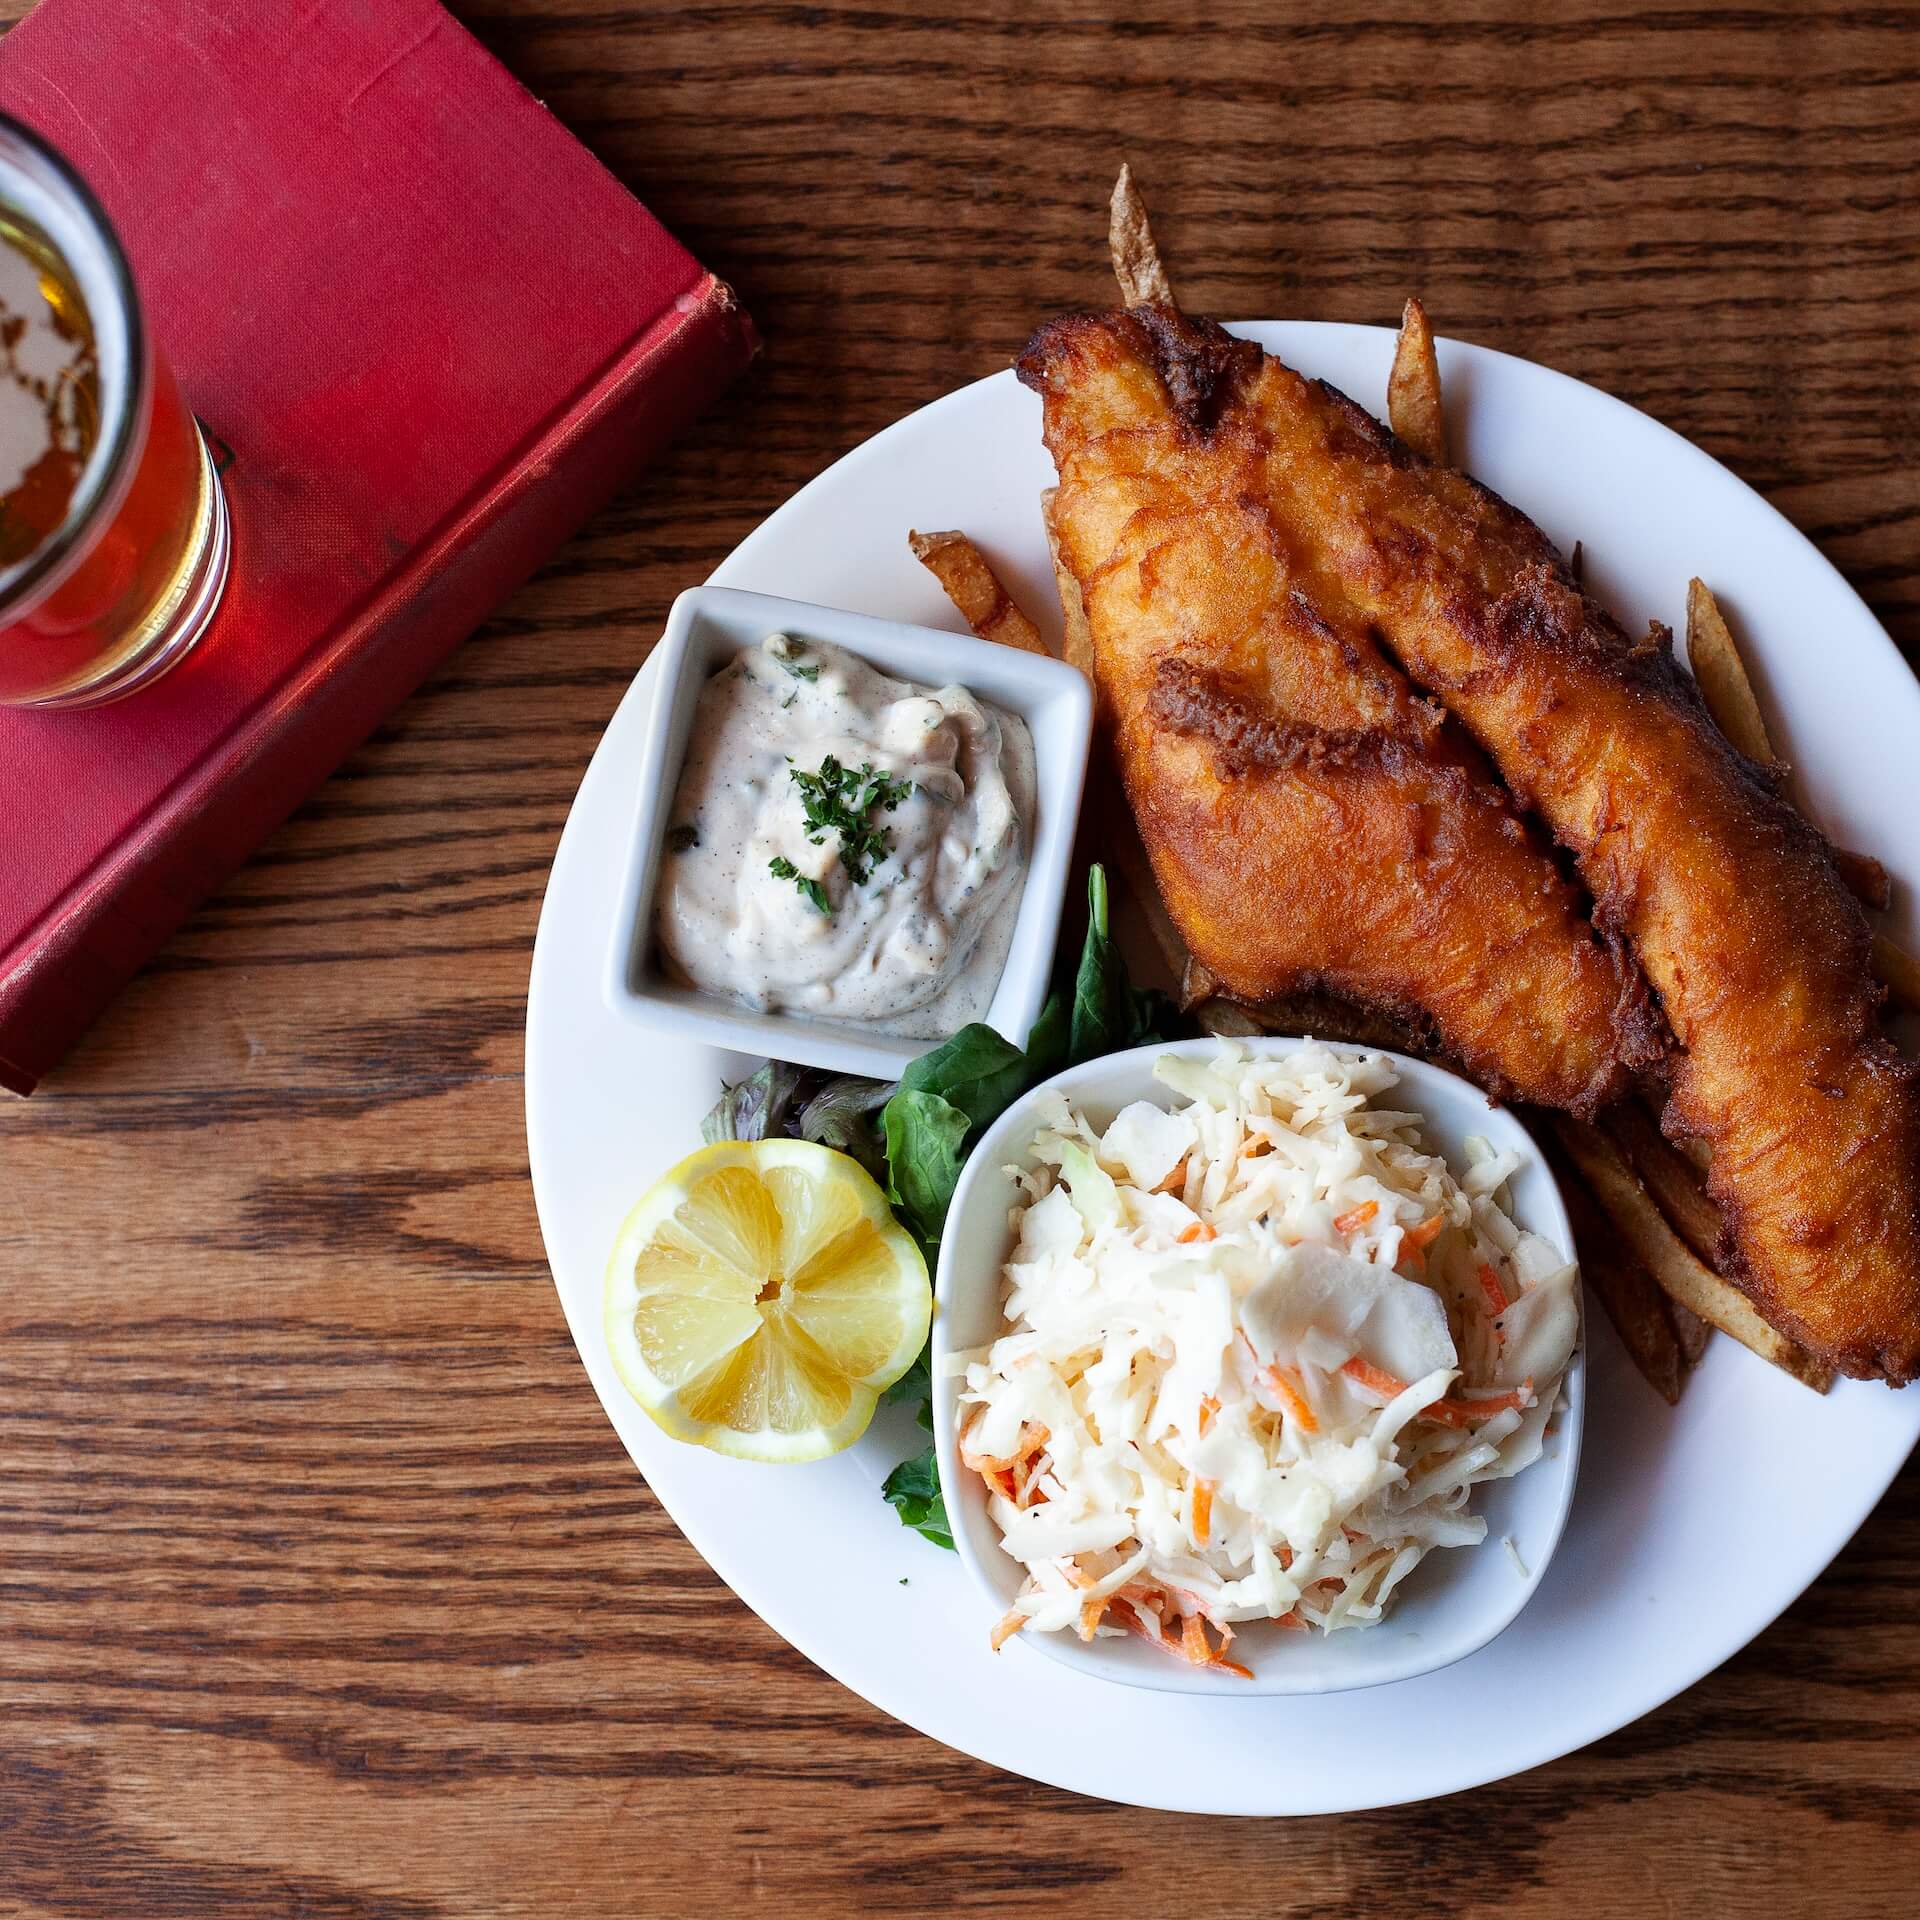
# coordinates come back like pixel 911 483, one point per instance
pixel 434 333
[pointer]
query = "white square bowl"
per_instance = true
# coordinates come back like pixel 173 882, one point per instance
pixel 707 628
pixel 1454 1602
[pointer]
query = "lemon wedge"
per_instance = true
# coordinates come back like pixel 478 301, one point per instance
pixel 760 1297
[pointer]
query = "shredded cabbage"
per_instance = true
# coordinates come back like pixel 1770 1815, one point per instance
pixel 1260 1347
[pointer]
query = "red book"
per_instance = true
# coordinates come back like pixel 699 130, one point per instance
pixel 435 334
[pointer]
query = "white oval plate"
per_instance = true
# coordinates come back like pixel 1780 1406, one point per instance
pixel 1691 1529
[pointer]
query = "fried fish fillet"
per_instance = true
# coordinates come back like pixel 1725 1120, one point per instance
pixel 1732 902
pixel 1313 823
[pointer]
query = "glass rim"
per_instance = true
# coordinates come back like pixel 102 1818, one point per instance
pixel 96 489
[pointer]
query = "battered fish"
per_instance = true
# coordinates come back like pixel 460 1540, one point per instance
pixel 1732 902
pixel 1312 823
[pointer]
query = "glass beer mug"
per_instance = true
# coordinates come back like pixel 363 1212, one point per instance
pixel 113 528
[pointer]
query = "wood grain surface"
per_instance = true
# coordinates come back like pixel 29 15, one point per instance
pixel 325 1588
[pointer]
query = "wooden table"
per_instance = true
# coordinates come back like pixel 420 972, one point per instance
pixel 325 1588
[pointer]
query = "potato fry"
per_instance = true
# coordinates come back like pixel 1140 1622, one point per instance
pixel 973 586
pixel 1326 1017
pixel 1228 1020
pixel 1642 1315
pixel 1865 878
pixel 1692 1332
pixel 1197 984
pixel 1136 260
pixel 1728 692
pixel 1671 1178
pixel 1722 676
pixel 1077 647
pixel 1413 388
pixel 1640 1224
pixel 1898 971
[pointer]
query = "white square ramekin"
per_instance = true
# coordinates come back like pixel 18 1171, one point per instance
pixel 708 627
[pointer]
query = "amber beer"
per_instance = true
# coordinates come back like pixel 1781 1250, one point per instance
pixel 113 529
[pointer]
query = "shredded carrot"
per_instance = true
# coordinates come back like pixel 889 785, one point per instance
pixel 1202 1510
pixel 1175 1180
pixel 1256 1147
pixel 1193 1640
pixel 1136 1619
pixel 1288 1391
pixel 1198 1231
pixel 1294 1621
pixel 1006 1627
pixel 1091 1612
pixel 1374 1379
pixel 1453 1412
pixel 1355 1217
pixel 1416 1240
pixel 999 1473
pixel 1209 1406
pixel 1078 1574
pixel 1490 1285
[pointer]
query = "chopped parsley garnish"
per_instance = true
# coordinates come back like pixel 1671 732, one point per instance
pixel 799 672
pixel 840 801
pixel 783 869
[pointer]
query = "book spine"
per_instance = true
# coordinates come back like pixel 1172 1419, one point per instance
pixel 110 924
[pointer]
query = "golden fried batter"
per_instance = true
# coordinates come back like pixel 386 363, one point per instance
pixel 1312 823
pixel 1732 902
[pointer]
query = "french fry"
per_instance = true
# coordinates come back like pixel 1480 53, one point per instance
pixel 1866 879
pixel 1228 1020
pixel 1413 388
pixel 1898 972
pixel 1642 1315
pixel 1722 676
pixel 1197 983
pixel 1671 1178
pixel 1640 1224
pixel 1728 692
pixel 973 586
pixel 1690 1330
pixel 1136 260
pixel 1077 646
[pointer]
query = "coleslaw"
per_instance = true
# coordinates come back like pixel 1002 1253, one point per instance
pixel 1260 1347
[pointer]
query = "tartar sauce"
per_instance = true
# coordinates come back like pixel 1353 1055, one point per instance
pixel 899 915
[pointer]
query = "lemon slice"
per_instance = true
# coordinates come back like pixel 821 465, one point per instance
pixel 761 1296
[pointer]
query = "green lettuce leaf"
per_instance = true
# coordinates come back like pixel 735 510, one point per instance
pixel 912 1489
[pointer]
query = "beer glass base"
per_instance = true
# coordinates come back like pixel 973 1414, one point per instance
pixel 171 643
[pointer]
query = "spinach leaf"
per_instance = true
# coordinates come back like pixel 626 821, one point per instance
pixel 923 1135
pixel 913 1490
pixel 916 1383
pixel 1109 1013
pixel 976 1071
pixel 1048 1040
